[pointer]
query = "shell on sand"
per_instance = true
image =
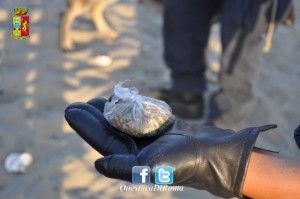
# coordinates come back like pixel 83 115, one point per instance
pixel 17 162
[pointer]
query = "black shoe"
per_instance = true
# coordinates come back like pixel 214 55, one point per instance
pixel 184 105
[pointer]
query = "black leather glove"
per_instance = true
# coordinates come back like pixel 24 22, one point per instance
pixel 212 159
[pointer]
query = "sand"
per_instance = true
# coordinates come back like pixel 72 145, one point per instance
pixel 37 81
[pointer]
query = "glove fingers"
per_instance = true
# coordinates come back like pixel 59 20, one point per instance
pixel 117 166
pixel 87 107
pixel 98 103
pixel 92 129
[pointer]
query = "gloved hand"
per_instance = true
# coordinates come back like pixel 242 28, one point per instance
pixel 212 159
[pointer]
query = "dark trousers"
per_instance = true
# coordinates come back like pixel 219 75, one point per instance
pixel 186 31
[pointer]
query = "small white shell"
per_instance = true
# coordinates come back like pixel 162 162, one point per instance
pixel 101 60
pixel 17 162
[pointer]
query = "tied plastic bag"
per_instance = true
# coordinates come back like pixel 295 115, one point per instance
pixel 137 115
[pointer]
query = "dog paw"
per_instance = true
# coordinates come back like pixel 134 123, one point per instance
pixel 110 35
pixel 67 48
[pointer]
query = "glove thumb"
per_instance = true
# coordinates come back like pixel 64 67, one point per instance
pixel 117 166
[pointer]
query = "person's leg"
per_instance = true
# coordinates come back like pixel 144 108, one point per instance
pixel 186 31
pixel 242 26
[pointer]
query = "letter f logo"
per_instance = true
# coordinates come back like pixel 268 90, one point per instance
pixel 140 174
pixel 144 173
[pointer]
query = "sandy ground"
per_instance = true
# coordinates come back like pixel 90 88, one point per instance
pixel 37 81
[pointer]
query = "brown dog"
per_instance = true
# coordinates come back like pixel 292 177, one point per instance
pixel 75 8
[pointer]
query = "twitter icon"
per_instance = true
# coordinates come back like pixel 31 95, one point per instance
pixel 164 175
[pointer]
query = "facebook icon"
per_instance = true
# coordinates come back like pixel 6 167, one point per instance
pixel 140 174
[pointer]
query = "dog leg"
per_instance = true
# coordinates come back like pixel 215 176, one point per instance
pixel 68 17
pixel 101 24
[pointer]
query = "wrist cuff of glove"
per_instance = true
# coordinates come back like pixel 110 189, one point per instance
pixel 250 136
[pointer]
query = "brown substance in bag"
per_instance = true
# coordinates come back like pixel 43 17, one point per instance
pixel 137 115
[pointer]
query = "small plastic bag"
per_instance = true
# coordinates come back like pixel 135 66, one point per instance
pixel 137 115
